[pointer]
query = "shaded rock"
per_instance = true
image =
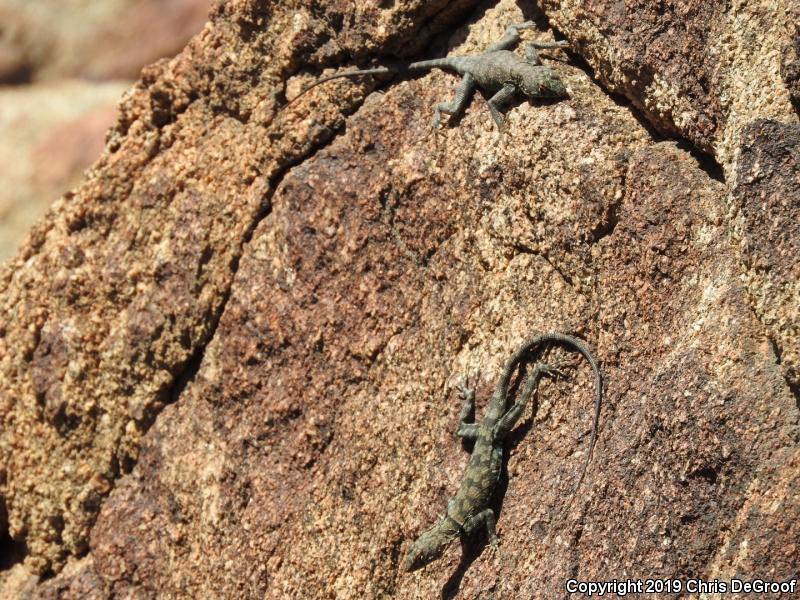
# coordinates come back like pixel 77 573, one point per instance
pixel 24 45
pixel 790 65
pixel 112 299
pixel 116 290
pixel 767 199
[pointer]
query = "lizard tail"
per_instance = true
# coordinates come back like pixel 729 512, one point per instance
pixel 448 63
pixel 526 348
pixel 351 73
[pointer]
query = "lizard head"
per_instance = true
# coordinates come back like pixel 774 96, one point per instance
pixel 429 546
pixel 537 81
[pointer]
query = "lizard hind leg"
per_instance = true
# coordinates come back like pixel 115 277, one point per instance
pixel 486 519
pixel 463 92
pixel 531 54
pixel 557 369
pixel 511 36
pixel 506 423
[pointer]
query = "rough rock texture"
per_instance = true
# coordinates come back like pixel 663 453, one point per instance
pixel 790 62
pixel 224 377
pixel 766 201
pixel 697 70
pixel 117 292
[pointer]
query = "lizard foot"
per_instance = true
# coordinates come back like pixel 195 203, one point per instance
pixel 557 369
pixel 525 25
pixel 465 391
pixel 492 547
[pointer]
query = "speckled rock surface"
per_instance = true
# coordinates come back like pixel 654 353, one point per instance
pixel 108 307
pixel 697 70
pixel 766 205
pixel 228 360
pixel 790 61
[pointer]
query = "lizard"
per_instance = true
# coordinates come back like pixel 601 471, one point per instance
pixel 496 70
pixel 469 509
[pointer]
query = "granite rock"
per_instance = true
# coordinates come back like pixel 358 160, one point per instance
pixel 227 360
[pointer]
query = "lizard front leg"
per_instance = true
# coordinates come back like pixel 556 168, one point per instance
pixel 463 92
pixel 496 101
pixel 467 429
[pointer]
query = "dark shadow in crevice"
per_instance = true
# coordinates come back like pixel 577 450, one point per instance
pixel 795 103
pixel 621 100
pixel 21 75
pixel 12 552
pixel 605 228
pixel 795 390
pixel 705 161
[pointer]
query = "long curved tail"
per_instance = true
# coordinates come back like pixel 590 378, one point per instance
pixel 561 338
pixel 450 64
pixel 351 73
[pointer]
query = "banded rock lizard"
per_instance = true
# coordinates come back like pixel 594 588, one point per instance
pixel 469 509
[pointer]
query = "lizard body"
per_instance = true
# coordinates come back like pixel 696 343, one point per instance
pixel 469 509
pixel 497 70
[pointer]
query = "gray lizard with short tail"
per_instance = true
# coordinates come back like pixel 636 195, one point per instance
pixel 496 70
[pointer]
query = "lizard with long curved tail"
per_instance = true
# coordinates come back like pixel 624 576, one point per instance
pixel 496 70
pixel 469 509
